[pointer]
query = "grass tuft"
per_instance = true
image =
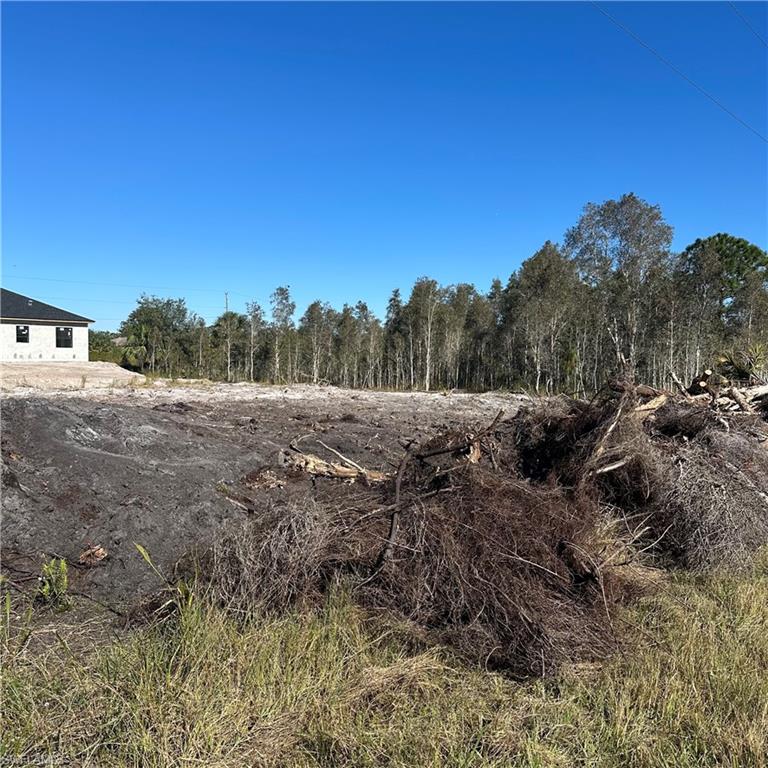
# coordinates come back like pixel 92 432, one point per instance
pixel 54 582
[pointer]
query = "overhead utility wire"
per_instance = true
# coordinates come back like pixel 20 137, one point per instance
pixel 106 301
pixel 685 77
pixel 120 285
pixel 748 25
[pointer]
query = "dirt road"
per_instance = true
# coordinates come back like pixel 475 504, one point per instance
pixel 117 466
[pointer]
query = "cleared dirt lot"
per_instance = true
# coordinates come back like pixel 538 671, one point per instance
pixel 117 466
pixel 63 376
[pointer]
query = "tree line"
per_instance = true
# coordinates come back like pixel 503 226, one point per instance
pixel 611 298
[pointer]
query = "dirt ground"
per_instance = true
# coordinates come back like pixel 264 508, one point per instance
pixel 69 375
pixel 155 465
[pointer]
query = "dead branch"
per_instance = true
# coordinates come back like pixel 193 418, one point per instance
pixel 386 553
pixel 614 465
pixel 756 393
pixel 600 447
pixel 314 465
pixel 680 386
pixel 351 463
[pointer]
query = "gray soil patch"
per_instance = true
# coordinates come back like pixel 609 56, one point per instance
pixel 157 466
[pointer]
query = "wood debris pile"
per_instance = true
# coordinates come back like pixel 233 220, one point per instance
pixel 717 391
pixel 346 469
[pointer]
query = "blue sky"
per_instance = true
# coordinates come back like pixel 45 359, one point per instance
pixel 346 149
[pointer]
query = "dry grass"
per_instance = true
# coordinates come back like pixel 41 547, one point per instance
pixel 338 689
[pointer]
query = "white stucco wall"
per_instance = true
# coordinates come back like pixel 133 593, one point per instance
pixel 42 344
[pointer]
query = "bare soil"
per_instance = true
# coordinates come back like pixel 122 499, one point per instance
pixel 52 376
pixel 152 465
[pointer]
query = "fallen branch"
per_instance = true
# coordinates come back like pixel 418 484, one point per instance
pixel 351 463
pixel 600 448
pixel 679 384
pixel 314 465
pixel 734 394
pixel 386 553
pixel 614 465
pixel 756 393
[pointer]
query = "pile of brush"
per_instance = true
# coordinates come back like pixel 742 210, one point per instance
pixel 693 478
pixel 514 543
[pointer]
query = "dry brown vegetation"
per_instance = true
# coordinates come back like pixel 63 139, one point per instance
pixel 691 478
pixel 515 543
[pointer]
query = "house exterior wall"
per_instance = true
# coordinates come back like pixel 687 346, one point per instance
pixel 42 343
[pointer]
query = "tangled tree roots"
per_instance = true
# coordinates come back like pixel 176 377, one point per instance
pixel 696 478
pixel 713 500
pixel 513 544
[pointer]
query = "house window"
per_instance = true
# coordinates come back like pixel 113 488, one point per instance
pixel 22 334
pixel 63 337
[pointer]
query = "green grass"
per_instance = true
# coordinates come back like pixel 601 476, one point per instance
pixel 54 583
pixel 341 690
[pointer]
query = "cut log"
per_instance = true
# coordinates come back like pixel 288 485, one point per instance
pixel 699 382
pixel 755 393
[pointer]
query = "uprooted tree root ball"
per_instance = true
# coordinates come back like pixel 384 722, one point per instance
pixel 514 544
pixel 695 480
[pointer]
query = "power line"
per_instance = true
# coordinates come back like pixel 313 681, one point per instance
pixel 106 301
pixel 121 285
pixel 678 72
pixel 209 319
pixel 747 24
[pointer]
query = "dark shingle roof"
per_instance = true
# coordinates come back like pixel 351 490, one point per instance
pixel 18 307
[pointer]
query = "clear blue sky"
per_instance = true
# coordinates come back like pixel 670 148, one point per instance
pixel 346 149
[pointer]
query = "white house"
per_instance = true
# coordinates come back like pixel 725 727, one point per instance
pixel 33 331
